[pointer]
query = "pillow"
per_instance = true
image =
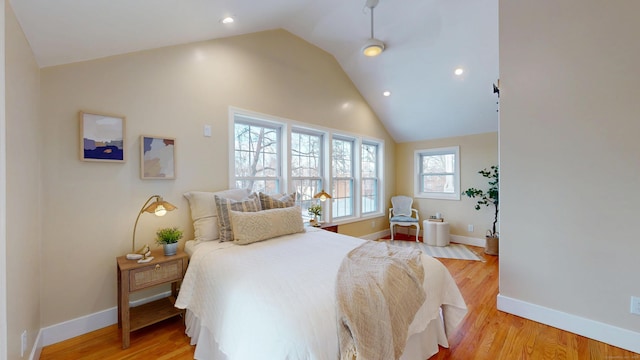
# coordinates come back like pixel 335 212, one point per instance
pixel 224 205
pixel 257 226
pixel 277 201
pixel 204 214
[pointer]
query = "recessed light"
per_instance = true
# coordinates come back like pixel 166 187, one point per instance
pixel 228 20
pixel 387 93
pixel 458 71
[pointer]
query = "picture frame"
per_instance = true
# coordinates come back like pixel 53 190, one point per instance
pixel 102 137
pixel 157 157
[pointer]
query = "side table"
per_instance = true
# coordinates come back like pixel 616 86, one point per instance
pixel 436 233
pixel 133 277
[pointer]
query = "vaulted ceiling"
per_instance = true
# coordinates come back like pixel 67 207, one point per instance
pixel 426 40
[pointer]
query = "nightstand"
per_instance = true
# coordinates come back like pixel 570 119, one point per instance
pixel 329 227
pixel 133 277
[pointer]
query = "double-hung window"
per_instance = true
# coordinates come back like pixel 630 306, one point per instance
pixel 437 173
pixel 274 155
pixel 369 177
pixel 258 160
pixel 342 166
pixel 307 166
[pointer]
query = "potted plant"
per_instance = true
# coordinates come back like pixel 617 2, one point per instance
pixel 168 238
pixel 488 198
pixel 316 211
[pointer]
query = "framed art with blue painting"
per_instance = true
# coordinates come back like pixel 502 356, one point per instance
pixel 157 157
pixel 102 137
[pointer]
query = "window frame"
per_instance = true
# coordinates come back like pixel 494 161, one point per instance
pixel 418 173
pixel 378 186
pixel 351 179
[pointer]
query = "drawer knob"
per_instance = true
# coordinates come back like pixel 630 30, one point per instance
pixel 157 267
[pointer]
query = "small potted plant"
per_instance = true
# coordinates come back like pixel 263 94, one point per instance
pixel 168 238
pixel 316 211
pixel 488 198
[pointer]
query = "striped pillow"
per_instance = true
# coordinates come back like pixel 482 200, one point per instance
pixel 224 205
pixel 277 201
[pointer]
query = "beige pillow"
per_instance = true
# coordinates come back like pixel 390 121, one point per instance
pixel 203 211
pixel 252 227
pixel 277 201
pixel 225 205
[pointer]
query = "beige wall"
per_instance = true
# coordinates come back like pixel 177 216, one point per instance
pixel 91 207
pixel 476 153
pixel 569 155
pixel 24 157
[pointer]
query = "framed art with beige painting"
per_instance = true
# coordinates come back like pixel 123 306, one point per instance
pixel 101 137
pixel 157 157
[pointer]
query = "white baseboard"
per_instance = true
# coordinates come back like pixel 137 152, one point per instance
pixel 622 338
pixel 376 235
pixel 84 324
pixel 468 240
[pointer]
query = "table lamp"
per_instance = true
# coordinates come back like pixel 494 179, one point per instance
pixel 322 195
pixel 159 207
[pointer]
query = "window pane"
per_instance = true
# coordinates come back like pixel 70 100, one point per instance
pixel 257 157
pixel 369 161
pixel 306 188
pixel 438 183
pixel 306 152
pixel 342 198
pixel 342 158
pixel 369 195
pixel 439 164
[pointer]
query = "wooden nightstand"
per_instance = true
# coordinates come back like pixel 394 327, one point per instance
pixel 133 277
pixel 329 227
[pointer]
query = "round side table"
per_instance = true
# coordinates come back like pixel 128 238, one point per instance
pixel 436 233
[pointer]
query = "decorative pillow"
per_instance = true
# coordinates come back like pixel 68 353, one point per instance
pixel 204 214
pixel 253 227
pixel 225 205
pixel 277 201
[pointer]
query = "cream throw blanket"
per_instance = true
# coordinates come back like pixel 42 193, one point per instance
pixel 378 290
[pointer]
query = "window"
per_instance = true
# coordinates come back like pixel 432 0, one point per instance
pixel 437 173
pixel 257 156
pixel 369 178
pixel 306 166
pixel 342 169
pixel 274 155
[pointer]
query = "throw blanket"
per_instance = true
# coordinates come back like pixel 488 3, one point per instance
pixel 378 290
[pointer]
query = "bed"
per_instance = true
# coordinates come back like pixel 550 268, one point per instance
pixel 275 299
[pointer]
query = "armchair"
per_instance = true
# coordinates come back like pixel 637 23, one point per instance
pixel 401 214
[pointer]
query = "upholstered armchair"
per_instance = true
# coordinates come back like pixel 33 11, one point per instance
pixel 402 214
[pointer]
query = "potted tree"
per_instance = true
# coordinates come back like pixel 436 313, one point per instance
pixel 168 238
pixel 488 198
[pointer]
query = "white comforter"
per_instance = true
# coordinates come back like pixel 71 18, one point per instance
pixel 276 299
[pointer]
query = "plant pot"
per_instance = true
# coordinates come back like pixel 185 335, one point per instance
pixel 170 249
pixel 492 245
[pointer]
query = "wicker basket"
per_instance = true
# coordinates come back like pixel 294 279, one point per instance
pixel 492 245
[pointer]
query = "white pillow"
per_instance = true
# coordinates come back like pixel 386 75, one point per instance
pixel 250 227
pixel 204 214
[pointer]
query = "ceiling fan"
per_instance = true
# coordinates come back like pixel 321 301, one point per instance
pixel 373 46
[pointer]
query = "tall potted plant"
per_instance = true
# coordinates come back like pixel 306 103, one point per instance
pixel 488 198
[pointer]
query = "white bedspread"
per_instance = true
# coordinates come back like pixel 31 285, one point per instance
pixel 276 299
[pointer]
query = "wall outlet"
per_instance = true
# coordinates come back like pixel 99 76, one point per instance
pixel 23 342
pixel 635 305
pixel 373 224
pixel 470 228
pixel 207 130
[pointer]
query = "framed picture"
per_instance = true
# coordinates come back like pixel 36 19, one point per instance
pixel 101 137
pixel 157 157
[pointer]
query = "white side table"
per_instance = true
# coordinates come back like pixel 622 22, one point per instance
pixel 436 233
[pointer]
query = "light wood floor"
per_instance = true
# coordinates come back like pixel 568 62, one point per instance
pixel 484 334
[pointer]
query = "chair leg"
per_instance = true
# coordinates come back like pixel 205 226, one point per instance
pixel 417 232
pixel 391 228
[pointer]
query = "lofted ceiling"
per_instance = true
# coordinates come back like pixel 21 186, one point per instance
pixel 426 40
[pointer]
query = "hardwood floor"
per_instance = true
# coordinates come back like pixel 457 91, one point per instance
pixel 486 333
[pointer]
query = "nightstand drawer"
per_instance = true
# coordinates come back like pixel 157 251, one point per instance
pixel 155 274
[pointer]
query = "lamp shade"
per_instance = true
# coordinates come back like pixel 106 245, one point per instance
pixel 373 47
pixel 159 207
pixel 322 195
